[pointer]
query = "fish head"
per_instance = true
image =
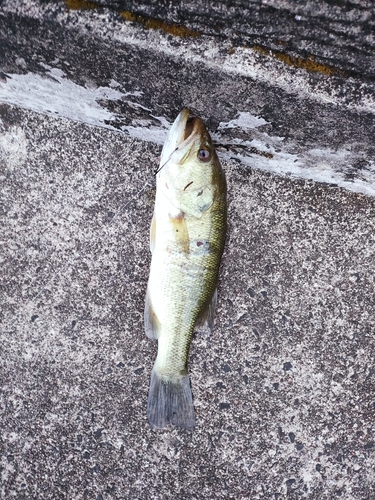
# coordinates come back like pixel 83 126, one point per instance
pixel 190 174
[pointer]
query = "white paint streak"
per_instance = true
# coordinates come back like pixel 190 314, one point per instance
pixel 156 135
pixel 55 94
pixel 245 120
pixel 306 167
pixel 320 165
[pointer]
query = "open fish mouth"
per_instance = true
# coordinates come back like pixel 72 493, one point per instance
pixel 184 131
pixel 190 126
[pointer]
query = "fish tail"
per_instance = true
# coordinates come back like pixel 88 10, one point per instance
pixel 170 402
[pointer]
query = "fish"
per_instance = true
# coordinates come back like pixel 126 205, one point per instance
pixel 187 237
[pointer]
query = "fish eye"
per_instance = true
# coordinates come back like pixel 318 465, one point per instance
pixel 204 154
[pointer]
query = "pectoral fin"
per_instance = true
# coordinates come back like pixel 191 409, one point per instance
pixel 206 317
pixel 151 322
pixel 181 232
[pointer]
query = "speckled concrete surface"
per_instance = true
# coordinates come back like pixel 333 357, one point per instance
pixel 284 388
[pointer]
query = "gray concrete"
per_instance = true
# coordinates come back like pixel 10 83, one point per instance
pixel 283 389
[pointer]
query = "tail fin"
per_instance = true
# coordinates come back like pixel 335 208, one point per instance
pixel 170 402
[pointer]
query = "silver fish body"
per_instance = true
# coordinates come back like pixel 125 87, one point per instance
pixel 187 239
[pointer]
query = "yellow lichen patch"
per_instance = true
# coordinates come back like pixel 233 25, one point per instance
pixel 309 64
pixel 156 24
pixel 261 50
pixel 129 16
pixel 80 4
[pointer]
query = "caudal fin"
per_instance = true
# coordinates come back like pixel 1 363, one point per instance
pixel 170 402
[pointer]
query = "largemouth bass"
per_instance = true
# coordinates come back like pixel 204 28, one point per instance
pixel 187 238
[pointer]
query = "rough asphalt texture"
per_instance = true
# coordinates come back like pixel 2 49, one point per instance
pixel 283 389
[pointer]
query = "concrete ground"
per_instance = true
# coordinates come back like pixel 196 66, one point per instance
pixel 284 387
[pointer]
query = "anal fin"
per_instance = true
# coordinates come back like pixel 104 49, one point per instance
pixel 151 322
